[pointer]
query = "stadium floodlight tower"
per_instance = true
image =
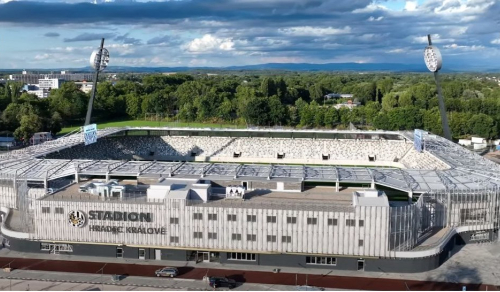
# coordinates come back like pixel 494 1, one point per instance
pixel 434 61
pixel 99 60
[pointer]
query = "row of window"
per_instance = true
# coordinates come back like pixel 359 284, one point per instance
pixel 321 261
pixel 272 219
pixel 58 210
pixel 237 237
pixel 241 256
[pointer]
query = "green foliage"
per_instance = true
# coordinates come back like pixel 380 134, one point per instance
pixel 483 126
pixel 391 102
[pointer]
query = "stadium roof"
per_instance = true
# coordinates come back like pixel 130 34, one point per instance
pixel 468 170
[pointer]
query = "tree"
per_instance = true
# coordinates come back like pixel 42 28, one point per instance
pixel 267 87
pixel 55 124
pixel 226 110
pixel 187 112
pixel 422 94
pixel 432 121
pixel 10 116
pixel 29 125
pixel 405 99
pixel 331 117
pixel 69 101
pixel 277 110
pixel 459 124
pixel 389 101
pixel 319 117
pixel 134 105
pixel 381 121
pixel 483 126
pixel 317 93
pixel 257 111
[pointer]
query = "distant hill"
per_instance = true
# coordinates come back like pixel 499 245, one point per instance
pixel 355 67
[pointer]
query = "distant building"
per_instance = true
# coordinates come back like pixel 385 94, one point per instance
pixel 85 86
pixel 32 78
pixel 349 104
pixel 43 88
pixel 337 95
pixel 49 83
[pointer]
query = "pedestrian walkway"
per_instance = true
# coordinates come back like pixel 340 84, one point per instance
pixel 474 263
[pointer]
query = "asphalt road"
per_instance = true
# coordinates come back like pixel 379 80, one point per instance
pixel 326 281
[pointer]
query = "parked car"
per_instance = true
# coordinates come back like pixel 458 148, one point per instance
pixel 216 282
pixel 167 272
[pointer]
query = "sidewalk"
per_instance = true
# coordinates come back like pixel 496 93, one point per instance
pixel 56 279
pixel 474 263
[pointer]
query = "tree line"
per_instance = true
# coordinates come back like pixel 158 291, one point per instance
pixel 388 101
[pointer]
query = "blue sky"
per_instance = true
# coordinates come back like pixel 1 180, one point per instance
pixel 63 33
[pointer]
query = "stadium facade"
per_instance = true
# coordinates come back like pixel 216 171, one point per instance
pixel 351 200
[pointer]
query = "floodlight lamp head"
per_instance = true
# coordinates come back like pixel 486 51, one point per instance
pixel 432 58
pixel 99 61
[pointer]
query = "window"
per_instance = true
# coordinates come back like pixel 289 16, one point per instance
pixel 231 217
pixel 361 223
pixel 236 236
pixel 212 217
pixel 321 261
pixel 286 239
pixel 350 222
pixel 251 218
pixel 197 234
pixel 239 256
pixel 198 216
pixel 312 221
pixel 44 246
pixel 45 209
pixel 142 253
pixel 59 210
pixel 332 222
pixel 361 242
pixel 291 220
pixel 119 252
pixel 174 239
pixel 174 220
pixel 251 237
pixel 212 235
pixel 271 219
pixel 271 238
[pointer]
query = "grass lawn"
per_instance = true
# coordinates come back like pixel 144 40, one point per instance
pixel 141 123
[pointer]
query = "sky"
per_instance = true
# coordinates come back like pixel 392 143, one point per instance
pixel 219 33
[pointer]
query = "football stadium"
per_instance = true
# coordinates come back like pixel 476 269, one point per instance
pixel 350 200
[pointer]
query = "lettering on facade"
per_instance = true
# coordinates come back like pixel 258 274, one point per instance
pixel 121 229
pixel 121 216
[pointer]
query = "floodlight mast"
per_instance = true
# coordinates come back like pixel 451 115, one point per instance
pixel 97 59
pixel 434 61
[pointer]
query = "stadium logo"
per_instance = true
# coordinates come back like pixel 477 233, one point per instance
pixel 76 218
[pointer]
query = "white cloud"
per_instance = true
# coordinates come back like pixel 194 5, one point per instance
pixel 397 51
pixel 496 41
pixel 371 8
pixel 375 19
pixel 314 31
pixel 436 38
pixel 463 6
pixel 411 5
pixel 464 48
pixel 209 43
pixel 42 56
